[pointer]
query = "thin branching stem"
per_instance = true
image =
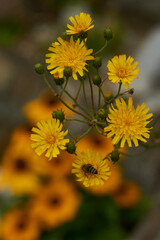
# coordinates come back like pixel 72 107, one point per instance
pixel 100 50
pixel 73 110
pixel 85 98
pixel 91 88
pixel 76 119
pixel 76 103
pixel 85 133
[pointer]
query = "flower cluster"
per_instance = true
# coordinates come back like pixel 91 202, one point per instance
pixel 45 195
pixel 111 116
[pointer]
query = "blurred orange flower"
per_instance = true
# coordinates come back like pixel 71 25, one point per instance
pixel 128 194
pixel 98 142
pixel 19 225
pixel 56 203
pixel 20 165
pixel 61 165
pixel 42 108
pixel 95 141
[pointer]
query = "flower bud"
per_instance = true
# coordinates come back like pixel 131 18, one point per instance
pixel 59 114
pixel 68 72
pixel 58 81
pixel 97 62
pixel 108 95
pixel 39 68
pixel 71 147
pixel 108 34
pixel 82 78
pixel 101 113
pixel 114 156
pixel 83 35
pixel 131 91
pixel 96 80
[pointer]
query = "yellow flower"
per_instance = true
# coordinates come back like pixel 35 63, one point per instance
pixel 128 194
pixel 68 54
pixel 42 108
pixel 82 23
pixel 90 168
pixel 56 203
pixel 127 123
pixel 49 138
pixel 122 69
pixel 19 225
pixel 20 165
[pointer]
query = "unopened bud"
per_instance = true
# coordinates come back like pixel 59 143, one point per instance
pixel 101 113
pixel 108 34
pixel 68 72
pixel 71 147
pixel 131 91
pixel 39 68
pixel 81 78
pixel 59 114
pixel 82 35
pixel 108 95
pixel 114 156
pixel 96 80
pixel 97 62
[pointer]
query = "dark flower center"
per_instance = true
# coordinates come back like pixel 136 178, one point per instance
pixel 21 225
pixel 21 164
pixel 54 201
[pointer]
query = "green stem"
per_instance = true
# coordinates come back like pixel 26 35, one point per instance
pixel 100 132
pixel 75 119
pixel 106 157
pixel 102 92
pixel 85 98
pixel 113 98
pixel 118 93
pixel 92 97
pixel 69 133
pixel 99 98
pixel 48 84
pixel 76 103
pixel 100 50
pixel 63 89
pixel 78 91
pixel 73 110
pixel 85 133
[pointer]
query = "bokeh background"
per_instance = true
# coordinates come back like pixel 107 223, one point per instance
pixel 27 28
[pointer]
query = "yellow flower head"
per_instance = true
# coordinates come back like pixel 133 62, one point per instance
pixel 49 138
pixel 68 54
pixel 122 69
pixel 127 123
pixel 90 168
pixel 82 23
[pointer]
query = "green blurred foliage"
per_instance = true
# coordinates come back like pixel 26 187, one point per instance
pixel 10 31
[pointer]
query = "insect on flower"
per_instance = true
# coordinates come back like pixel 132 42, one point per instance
pixel 88 168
